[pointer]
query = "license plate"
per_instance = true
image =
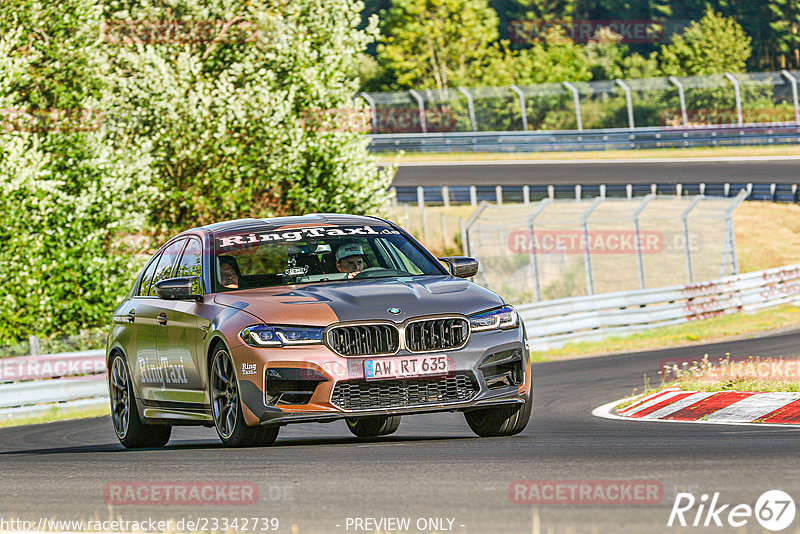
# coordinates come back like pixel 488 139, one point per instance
pixel 405 367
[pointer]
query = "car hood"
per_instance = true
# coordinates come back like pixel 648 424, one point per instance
pixel 323 304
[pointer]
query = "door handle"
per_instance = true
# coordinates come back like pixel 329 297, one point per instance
pixel 131 316
pixel 162 319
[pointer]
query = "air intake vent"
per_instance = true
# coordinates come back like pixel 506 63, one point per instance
pixel 361 394
pixel 364 340
pixel 436 334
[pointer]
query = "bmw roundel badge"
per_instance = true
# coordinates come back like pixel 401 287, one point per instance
pixel 395 311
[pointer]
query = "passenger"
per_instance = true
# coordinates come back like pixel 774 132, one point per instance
pixel 350 259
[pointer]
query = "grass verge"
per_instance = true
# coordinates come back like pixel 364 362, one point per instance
pixel 56 414
pixel 709 152
pixel 694 333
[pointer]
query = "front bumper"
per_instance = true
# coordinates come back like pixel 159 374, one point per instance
pixel 327 403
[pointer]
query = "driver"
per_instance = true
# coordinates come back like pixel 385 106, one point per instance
pixel 350 259
pixel 228 272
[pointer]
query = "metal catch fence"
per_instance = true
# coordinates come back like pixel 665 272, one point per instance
pixel 729 99
pixel 556 248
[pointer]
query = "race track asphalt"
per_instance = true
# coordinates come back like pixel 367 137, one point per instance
pixel 662 171
pixel 317 475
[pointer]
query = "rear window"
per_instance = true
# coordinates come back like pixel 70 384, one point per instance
pixel 268 257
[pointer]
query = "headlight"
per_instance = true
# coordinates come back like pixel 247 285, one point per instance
pixel 504 319
pixel 281 336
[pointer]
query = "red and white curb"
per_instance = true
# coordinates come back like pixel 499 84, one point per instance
pixel 723 407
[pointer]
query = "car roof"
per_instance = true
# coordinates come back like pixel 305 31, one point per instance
pixel 276 223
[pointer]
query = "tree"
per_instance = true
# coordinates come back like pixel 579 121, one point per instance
pixel 256 118
pixel 785 27
pixel 69 197
pixel 437 43
pixel 713 45
pixel 609 59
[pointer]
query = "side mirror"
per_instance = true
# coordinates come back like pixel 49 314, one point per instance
pixel 461 266
pixel 177 289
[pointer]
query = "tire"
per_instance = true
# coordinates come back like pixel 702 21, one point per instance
pixel 128 426
pixel 374 426
pixel 226 406
pixel 500 420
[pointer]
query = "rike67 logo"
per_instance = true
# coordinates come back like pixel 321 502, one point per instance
pixel 774 510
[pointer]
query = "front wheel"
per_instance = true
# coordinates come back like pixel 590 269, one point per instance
pixel 128 426
pixel 371 427
pixel 500 420
pixel 226 407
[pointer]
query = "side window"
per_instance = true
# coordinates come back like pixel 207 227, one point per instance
pixel 165 264
pixel 191 264
pixel 144 287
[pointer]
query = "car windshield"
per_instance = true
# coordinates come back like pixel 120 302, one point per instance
pixel 323 253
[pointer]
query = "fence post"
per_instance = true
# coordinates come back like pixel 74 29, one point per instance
pixel 731 236
pixel 446 196
pixel 464 249
pixel 551 192
pixel 576 98
pixel 522 108
pixel 793 81
pixel 638 237
pixel 738 94
pixel 470 107
pixel 629 191
pixel 578 192
pixel 498 194
pixel 628 101
pixel 421 104
pixel 474 217
pixel 35 345
pixel 602 190
pixel 526 194
pixel 473 196
pixel 587 256
pixel 373 110
pixel 678 190
pixel 425 226
pixel 534 260
pixel 687 248
pixel 682 98
pixel 421 196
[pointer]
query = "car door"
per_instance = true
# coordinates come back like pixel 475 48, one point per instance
pixel 179 337
pixel 150 372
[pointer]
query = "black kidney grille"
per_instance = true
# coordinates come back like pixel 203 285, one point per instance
pixel 363 394
pixel 364 340
pixel 436 334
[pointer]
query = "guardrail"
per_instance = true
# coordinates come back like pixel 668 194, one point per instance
pixel 553 323
pixel 571 140
pixel 525 194
pixel 31 386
